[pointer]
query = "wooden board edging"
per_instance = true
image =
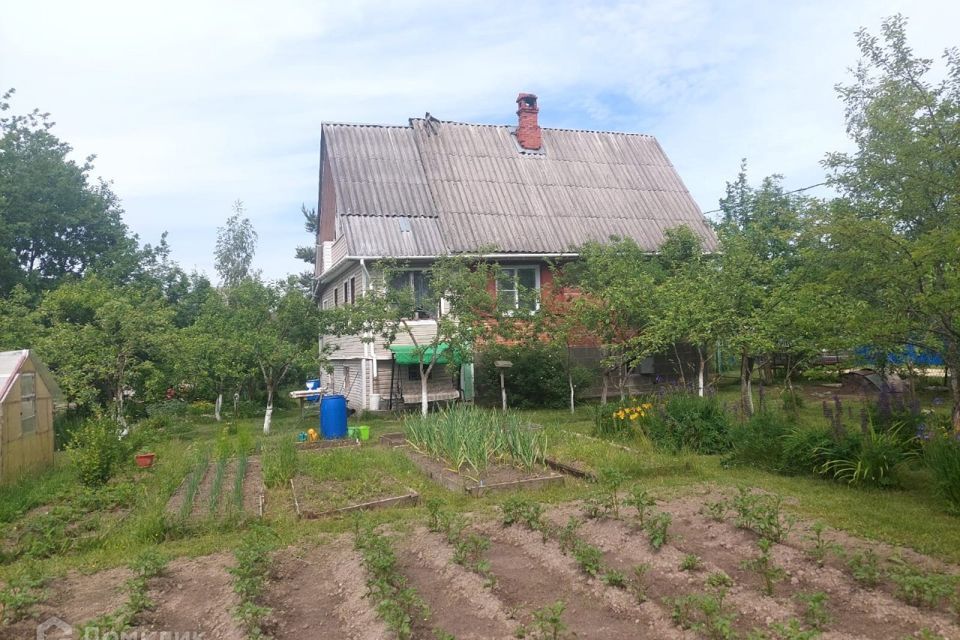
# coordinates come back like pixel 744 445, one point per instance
pixel 556 465
pixel 453 481
pixel 411 499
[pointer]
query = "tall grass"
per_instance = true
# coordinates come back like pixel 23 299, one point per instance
pixel 217 486
pixel 279 462
pixel 194 480
pixel 474 437
pixel 242 462
pixel 942 457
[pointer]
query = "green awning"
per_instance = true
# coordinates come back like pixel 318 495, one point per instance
pixel 408 354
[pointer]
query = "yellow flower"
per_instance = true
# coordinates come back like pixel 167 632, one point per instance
pixel 635 416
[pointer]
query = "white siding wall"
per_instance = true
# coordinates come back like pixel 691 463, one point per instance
pixel 348 381
pixel 353 272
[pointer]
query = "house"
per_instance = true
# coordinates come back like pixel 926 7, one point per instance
pixel 27 396
pixel 433 187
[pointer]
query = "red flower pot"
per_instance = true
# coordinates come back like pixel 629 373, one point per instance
pixel 145 459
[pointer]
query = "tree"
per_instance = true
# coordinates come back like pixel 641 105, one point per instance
pixel 236 246
pixel 892 237
pixel 54 222
pixel 277 326
pixel 456 288
pixel 688 307
pixel 106 342
pixel 615 285
pixel 761 235
pixel 308 253
pixel 213 353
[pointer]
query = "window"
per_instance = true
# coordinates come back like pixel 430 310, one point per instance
pixel 28 402
pixel 336 297
pixel 353 290
pixel 346 298
pixel 418 283
pixel 519 288
pixel 413 373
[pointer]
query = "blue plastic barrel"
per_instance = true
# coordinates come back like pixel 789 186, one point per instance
pixel 333 417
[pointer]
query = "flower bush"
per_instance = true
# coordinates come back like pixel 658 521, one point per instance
pixel 623 419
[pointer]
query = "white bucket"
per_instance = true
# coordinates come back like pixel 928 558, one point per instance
pixel 374 402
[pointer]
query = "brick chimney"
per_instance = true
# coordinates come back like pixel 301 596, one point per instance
pixel 528 129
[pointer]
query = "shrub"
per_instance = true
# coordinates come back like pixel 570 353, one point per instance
pixel 200 408
pixel 758 442
pixel 538 377
pixel 801 450
pixel 875 463
pixel 942 456
pixel 171 408
pixel 691 422
pixel 96 451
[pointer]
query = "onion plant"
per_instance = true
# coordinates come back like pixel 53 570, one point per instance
pixel 475 438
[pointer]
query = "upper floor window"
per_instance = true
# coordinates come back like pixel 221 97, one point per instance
pixel 28 402
pixel 519 288
pixel 417 283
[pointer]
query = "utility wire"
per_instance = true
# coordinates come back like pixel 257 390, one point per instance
pixel 786 193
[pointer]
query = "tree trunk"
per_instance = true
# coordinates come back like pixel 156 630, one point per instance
pixel 746 388
pixel 573 408
pixel 603 391
pixel 424 404
pixel 952 364
pixel 268 414
pixel 683 378
pixel 217 406
pixel 701 374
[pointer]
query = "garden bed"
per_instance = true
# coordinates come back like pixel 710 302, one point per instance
pixel 333 486
pixel 215 491
pixel 521 573
pixel 495 477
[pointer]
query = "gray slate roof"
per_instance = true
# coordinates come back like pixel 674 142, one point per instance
pixel 447 187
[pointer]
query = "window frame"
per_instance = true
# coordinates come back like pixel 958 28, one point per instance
pixel 410 275
pixel 515 291
pixel 28 400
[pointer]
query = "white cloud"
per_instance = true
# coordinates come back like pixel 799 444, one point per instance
pixel 191 105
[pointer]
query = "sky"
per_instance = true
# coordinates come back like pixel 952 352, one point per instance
pixel 191 106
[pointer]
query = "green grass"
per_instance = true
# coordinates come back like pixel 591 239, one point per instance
pixel 913 517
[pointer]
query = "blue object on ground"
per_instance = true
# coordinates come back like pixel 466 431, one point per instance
pixel 333 417
pixel 311 385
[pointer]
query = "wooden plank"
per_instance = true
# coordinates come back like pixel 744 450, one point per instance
pixel 408 499
pixel 453 481
pixel 569 470
pixel 527 483
pixel 393 439
pixel 321 445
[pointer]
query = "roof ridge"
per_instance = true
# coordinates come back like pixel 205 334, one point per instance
pixel 328 123
pixel 511 126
